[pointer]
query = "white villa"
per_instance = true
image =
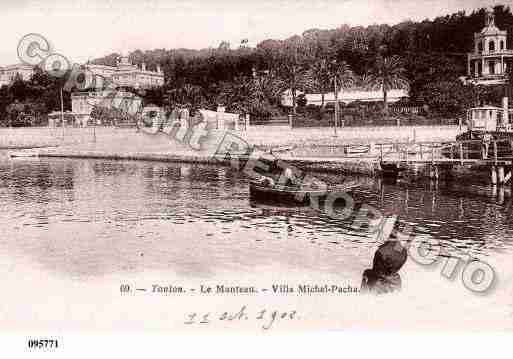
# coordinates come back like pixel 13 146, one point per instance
pixel 487 64
pixel 8 73
pixel 125 74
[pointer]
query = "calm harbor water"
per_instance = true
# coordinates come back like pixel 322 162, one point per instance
pixel 78 223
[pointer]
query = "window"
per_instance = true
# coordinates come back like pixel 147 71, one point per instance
pixel 491 67
pixel 491 46
pixel 502 44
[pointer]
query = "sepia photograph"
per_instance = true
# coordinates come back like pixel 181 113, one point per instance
pixel 223 167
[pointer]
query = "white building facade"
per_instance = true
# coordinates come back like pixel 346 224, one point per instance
pixel 487 64
pixel 9 73
pixel 125 74
pixel 82 103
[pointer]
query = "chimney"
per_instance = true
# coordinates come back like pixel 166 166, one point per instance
pixel 143 66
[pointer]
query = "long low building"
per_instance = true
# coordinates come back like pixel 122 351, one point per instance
pixel 346 97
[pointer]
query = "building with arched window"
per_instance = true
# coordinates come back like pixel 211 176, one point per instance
pixel 487 64
pixel 125 74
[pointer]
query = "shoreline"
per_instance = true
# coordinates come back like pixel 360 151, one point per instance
pixel 313 150
pixel 357 166
pixel 25 147
pixel 366 166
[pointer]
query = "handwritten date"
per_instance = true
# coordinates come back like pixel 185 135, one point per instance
pixel 267 317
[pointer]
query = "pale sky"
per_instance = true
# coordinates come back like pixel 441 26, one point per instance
pixel 82 29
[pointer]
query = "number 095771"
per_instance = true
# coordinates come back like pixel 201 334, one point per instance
pixel 43 343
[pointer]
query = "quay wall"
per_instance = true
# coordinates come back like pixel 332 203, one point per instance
pixel 347 166
pixel 343 166
pixel 309 153
pixel 263 136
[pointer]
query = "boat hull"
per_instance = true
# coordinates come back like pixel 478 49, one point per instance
pixel 290 195
pixel 283 194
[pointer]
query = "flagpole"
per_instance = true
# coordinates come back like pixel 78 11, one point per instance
pixel 62 114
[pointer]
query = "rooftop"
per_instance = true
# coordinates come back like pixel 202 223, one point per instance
pixel 492 30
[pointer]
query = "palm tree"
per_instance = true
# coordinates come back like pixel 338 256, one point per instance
pixel 191 94
pixel 388 73
pixel 320 77
pixel 342 77
pixel 342 72
pixel 235 93
pixel 267 86
pixel 293 62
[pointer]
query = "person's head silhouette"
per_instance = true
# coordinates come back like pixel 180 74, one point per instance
pixel 384 276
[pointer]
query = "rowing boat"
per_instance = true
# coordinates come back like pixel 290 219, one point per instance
pixel 292 194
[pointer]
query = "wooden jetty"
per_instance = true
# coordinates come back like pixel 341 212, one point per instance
pixel 495 156
pixel 429 159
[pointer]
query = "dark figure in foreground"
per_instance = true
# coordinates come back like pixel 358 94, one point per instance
pixel 383 277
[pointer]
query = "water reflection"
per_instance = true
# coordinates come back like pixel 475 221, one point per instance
pixel 90 218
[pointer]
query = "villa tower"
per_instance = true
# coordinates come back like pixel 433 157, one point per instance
pixel 487 64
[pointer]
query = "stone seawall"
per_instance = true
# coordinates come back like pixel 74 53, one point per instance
pixel 345 166
pixel 364 166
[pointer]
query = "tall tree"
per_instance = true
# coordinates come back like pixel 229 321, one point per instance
pixel 294 62
pixel 186 94
pixel 388 73
pixel 267 86
pixel 341 77
pixel 342 72
pixel 320 77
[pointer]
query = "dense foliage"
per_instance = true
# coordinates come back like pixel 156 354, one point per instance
pixel 26 103
pixel 432 53
pixel 429 55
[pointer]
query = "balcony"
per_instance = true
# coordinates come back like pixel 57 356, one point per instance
pixel 486 79
pixel 485 54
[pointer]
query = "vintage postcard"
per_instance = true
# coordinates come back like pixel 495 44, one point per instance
pixel 205 167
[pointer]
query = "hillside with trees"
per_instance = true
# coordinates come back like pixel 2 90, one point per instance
pixel 429 56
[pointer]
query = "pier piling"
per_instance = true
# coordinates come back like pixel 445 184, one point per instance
pixel 493 175
pixel 500 174
pixel 433 172
pixel 500 197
